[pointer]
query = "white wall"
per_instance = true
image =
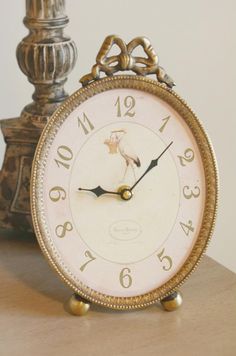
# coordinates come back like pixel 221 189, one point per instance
pixel 196 44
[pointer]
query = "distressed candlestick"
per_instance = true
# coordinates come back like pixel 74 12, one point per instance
pixel 46 56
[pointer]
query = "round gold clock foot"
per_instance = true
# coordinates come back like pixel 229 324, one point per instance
pixel 78 306
pixel 172 302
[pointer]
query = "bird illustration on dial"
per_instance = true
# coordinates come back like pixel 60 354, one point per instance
pixel 126 192
pixel 118 142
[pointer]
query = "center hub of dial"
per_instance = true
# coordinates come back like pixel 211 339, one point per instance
pixel 125 192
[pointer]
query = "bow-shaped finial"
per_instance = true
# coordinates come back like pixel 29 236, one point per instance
pixel 125 60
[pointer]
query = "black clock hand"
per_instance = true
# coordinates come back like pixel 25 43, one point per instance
pixel 98 191
pixel 153 164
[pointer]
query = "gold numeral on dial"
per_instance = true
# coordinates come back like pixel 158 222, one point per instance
pixel 187 158
pixel 125 278
pixel 189 193
pixel 90 257
pixel 61 230
pixel 65 154
pixel 187 228
pixel 165 120
pixel 85 124
pixel 57 193
pixel 128 103
pixel 166 260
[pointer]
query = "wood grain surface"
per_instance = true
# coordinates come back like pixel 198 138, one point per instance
pixel 34 320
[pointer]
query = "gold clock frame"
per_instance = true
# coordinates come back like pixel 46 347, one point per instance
pixel 211 180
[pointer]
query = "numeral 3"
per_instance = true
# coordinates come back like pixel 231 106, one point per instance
pixel 188 193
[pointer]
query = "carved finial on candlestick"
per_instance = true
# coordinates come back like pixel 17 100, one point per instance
pixel 46 56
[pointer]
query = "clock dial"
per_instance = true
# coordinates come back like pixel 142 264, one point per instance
pixel 118 226
pixel 122 191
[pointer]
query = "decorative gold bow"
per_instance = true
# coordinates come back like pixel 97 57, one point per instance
pixel 127 61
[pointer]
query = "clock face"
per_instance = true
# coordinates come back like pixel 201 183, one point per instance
pixel 120 191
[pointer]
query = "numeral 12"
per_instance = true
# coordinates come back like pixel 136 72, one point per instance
pixel 128 103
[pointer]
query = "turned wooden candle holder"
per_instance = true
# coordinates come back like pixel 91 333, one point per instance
pixel 46 56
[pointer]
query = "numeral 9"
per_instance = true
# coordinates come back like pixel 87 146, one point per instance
pixel 57 193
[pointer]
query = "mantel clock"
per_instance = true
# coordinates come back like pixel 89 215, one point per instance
pixel 124 185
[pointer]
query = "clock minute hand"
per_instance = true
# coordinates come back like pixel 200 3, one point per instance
pixel 98 191
pixel 153 164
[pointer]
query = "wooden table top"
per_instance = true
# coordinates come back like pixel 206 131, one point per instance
pixel 33 321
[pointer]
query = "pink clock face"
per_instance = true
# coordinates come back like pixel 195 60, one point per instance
pixel 123 244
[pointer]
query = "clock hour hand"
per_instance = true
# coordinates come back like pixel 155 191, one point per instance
pixel 98 191
pixel 153 164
